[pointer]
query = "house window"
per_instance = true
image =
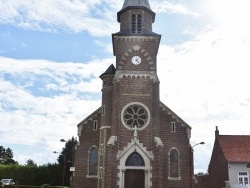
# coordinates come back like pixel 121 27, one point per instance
pixel 93 160
pixel 136 23
pixel 243 178
pixel 173 127
pixel 103 110
pixel 174 164
pixel 95 125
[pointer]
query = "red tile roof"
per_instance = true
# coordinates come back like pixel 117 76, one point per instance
pixel 235 148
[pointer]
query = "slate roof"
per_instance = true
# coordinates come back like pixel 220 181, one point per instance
pixel 236 148
pixel 135 4
pixel 128 3
pixel 111 70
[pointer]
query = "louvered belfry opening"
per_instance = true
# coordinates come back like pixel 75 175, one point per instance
pixel 136 23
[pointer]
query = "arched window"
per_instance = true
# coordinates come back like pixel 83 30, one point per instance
pixel 133 23
pixel 134 159
pixel 174 164
pixel 136 23
pixel 93 161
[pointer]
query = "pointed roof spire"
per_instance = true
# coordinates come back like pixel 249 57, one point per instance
pixel 134 3
pixel 111 70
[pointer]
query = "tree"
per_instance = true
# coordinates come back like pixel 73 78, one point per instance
pixel 68 152
pixel 200 173
pixel 30 162
pixel 6 156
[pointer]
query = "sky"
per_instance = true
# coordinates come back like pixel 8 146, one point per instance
pixel 52 53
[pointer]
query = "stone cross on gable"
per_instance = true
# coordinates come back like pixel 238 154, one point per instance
pixel 135 133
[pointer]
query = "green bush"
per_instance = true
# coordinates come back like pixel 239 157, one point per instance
pixel 32 176
pixel 1 184
pixel 45 186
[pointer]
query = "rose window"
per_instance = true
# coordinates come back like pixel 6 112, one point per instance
pixel 135 116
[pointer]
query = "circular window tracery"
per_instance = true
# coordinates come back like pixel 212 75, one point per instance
pixel 135 115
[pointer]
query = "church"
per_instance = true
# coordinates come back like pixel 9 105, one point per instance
pixel 133 140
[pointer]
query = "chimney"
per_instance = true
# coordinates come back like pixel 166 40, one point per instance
pixel 216 131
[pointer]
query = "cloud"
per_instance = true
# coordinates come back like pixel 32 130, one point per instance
pixel 97 17
pixel 205 80
pixel 30 110
pixel 56 15
pixel 217 66
pixel 173 8
pixel 106 47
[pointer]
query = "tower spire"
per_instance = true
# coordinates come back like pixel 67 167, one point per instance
pixel 134 3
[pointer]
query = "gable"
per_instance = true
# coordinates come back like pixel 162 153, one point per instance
pixel 174 115
pixel 90 117
pixel 178 119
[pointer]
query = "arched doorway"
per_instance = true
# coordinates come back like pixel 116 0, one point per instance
pixel 135 161
pixel 134 178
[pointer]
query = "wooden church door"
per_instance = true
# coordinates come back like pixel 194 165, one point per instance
pixel 134 179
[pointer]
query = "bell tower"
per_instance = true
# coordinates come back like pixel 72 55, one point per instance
pixel 135 99
pixel 136 45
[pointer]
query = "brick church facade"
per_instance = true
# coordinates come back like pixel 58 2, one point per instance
pixel 133 140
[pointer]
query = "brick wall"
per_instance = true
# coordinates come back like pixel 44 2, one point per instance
pixel 126 18
pixel 179 140
pixel 106 121
pixel 88 139
pixel 218 167
pixel 202 181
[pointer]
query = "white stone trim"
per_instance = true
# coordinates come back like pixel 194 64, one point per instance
pixel 158 141
pixel 124 154
pixel 140 104
pixel 119 74
pixel 105 127
pixel 112 140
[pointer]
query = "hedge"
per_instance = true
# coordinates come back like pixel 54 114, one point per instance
pixel 32 175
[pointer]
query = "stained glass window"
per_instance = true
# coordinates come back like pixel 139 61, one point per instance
pixel 93 159
pixel 174 164
pixel 135 116
pixel 135 159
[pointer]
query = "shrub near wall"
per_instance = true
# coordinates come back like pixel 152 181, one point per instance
pixel 28 186
pixel 31 175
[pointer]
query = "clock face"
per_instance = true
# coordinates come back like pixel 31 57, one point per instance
pixel 136 60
